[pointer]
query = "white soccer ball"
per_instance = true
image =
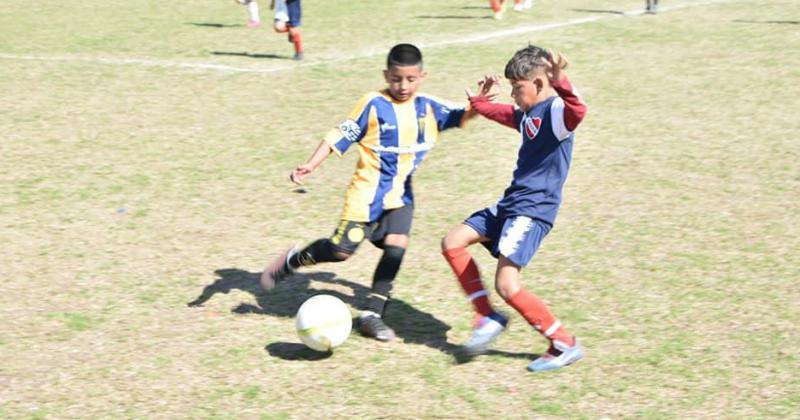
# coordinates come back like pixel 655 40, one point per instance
pixel 323 322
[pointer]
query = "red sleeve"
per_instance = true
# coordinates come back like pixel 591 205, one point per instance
pixel 502 113
pixel 574 108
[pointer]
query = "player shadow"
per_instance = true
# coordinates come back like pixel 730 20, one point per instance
pixel 452 17
pixel 774 22
pixel 610 12
pixel 251 55
pixel 411 325
pixel 215 25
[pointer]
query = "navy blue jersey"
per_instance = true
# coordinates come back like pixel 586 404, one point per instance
pixel 542 164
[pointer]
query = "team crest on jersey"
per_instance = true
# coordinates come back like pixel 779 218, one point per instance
pixel 350 130
pixel 532 126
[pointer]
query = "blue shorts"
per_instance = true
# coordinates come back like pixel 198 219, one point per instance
pixel 516 237
pixel 291 14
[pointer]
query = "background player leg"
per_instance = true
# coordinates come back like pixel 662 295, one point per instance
pixel 297 40
pixel 497 8
pixel 522 5
pixel 252 9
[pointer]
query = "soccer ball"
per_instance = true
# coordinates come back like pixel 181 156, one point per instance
pixel 323 322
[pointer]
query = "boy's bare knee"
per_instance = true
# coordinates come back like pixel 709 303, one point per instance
pixel 506 289
pixel 452 242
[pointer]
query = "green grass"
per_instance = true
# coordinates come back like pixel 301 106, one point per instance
pixel 126 189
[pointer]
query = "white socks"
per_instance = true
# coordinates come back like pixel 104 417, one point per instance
pixel 252 7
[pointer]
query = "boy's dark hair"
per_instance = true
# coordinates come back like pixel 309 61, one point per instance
pixel 525 62
pixel 404 55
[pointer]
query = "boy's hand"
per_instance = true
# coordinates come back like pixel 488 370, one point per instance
pixel 487 88
pixel 556 64
pixel 300 172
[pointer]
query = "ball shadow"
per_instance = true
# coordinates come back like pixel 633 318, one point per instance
pixel 295 351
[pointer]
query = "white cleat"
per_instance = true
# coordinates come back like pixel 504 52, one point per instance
pixel 557 356
pixel 484 334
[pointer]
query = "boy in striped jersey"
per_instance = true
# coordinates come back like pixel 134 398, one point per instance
pixel 392 130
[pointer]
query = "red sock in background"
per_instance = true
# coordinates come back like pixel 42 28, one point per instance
pixel 468 276
pixel 535 311
pixel 496 5
pixel 297 39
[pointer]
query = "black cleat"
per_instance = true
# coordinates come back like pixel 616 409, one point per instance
pixel 277 270
pixel 373 326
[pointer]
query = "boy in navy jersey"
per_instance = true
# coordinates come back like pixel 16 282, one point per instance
pixel 548 111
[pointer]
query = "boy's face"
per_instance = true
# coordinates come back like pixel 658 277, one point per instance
pixel 525 93
pixel 403 81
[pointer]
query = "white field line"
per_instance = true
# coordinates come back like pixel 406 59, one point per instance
pixel 471 39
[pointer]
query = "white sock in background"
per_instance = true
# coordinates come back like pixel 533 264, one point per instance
pixel 252 7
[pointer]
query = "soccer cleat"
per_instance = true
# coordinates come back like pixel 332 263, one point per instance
pixel 487 330
pixel 371 325
pixel 298 56
pixel 253 24
pixel 498 15
pixel 278 270
pixel 557 356
pixel 527 4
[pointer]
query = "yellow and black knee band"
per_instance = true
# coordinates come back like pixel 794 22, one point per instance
pixel 321 250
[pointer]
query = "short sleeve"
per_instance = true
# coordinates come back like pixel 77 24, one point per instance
pixel 352 129
pixel 448 115
pixel 557 117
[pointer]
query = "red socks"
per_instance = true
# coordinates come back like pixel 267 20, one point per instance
pixel 467 273
pixel 296 39
pixel 535 311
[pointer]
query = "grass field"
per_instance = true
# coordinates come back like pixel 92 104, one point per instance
pixel 144 154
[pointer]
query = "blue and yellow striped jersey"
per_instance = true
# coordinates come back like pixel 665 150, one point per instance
pixel 392 139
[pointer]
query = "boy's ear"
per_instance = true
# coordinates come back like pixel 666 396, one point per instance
pixel 386 75
pixel 539 83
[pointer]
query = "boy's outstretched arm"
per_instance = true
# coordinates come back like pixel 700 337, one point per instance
pixel 302 170
pixel 574 107
pixel 482 103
